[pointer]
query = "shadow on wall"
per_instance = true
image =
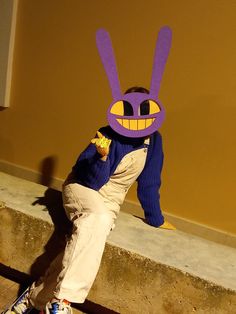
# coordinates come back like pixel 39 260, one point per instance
pixel 47 169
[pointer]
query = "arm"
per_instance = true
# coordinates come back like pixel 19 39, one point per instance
pixel 91 168
pixel 149 183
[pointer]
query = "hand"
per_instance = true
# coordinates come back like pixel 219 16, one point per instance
pixel 167 225
pixel 102 145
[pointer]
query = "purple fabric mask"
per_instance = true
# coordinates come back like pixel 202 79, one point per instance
pixel 135 114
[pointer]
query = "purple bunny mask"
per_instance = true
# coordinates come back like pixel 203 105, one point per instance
pixel 135 114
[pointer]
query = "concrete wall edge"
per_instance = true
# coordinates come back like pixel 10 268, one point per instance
pixel 183 224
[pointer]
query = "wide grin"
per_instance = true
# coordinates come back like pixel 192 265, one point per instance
pixel 135 124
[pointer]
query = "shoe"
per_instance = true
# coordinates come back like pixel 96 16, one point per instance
pixel 21 305
pixel 58 307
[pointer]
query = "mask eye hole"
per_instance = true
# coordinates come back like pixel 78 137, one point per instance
pixel 122 108
pixel 128 109
pixel 149 107
pixel 144 108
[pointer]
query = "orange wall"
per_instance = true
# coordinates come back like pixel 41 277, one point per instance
pixel 60 92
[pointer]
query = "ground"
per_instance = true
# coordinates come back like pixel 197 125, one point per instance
pixel 9 290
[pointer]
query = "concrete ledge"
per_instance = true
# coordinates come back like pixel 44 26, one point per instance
pixel 44 176
pixel 144 270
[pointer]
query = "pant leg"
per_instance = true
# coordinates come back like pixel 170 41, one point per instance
pixel 78 266
pixel 42 290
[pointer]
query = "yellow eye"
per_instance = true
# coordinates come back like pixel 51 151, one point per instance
pixel 118 108
pixel 154 108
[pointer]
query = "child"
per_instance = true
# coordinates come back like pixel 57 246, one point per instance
pixel 128 150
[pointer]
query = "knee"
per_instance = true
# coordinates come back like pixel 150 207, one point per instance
pixel 104 219
pixel 95 220
pixel 104 223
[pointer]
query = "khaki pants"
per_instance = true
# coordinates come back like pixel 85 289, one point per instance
pixel 93 214
pixel 73 272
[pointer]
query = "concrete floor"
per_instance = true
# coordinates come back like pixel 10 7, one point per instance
pixel 9 290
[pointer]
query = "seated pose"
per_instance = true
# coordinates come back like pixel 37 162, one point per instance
pixel 128 150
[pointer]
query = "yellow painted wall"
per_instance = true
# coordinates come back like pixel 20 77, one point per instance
pixel 60 92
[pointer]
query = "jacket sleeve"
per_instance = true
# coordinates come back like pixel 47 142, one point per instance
pixel 149 182
pixel 90 170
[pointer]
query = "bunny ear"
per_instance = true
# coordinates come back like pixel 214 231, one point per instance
pixel 161 53
pixel 108 59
